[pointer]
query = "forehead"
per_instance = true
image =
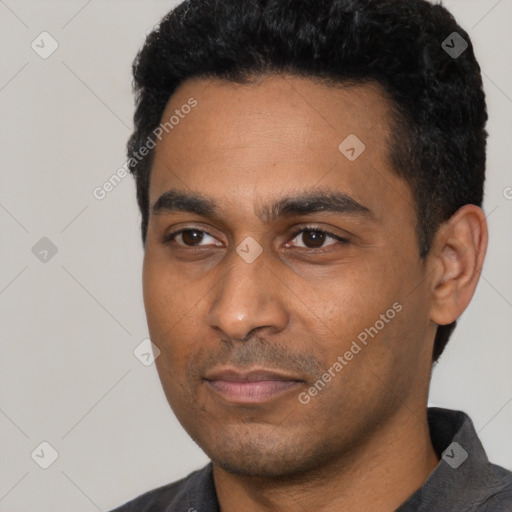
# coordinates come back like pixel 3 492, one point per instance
pixel 280 132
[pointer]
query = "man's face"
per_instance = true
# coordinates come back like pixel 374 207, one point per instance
pixel 300 253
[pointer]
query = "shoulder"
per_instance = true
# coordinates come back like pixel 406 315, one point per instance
pixel 159 499
pixel 501 497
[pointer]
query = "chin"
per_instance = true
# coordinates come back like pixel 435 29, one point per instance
pixel 259 454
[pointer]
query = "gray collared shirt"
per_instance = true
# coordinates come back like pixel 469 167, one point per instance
pixel 463 481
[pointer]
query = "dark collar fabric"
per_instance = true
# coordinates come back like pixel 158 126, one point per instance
pixel 463 481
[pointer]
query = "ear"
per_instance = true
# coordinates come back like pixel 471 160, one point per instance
pixel 457 256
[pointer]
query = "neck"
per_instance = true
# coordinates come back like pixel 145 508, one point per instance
pixel 393 463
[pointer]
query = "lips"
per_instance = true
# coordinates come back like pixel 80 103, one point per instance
pixel 254 386
pixel 254 375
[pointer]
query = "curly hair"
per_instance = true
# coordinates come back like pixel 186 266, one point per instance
pixel 438 106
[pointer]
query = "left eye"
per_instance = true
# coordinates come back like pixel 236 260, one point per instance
pixel 315 238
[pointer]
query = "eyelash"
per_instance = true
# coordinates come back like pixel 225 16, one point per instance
pixel 169 238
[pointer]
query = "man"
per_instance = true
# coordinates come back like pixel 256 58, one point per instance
pixel 310 176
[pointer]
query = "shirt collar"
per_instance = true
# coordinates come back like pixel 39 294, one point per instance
pixel 464 476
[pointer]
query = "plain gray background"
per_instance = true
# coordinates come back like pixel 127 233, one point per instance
pixel 70 324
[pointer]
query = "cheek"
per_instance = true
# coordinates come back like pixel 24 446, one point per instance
pixel 172 310
pixel 167 296
pixel 350 299
pixel 360 315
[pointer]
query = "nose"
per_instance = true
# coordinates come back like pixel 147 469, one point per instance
pixel 249 297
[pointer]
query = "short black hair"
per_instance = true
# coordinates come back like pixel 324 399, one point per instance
pixel 436 96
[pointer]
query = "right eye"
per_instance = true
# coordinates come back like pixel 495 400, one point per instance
pixel 190 237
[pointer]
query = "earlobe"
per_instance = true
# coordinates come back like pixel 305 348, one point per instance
pixel 457 255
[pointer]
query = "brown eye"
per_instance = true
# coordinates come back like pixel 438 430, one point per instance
pixel 312 238
pixel 191 237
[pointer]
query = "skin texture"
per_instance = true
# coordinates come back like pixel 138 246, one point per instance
pixel 362 442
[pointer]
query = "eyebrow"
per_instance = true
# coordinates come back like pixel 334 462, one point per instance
pixel 301 204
